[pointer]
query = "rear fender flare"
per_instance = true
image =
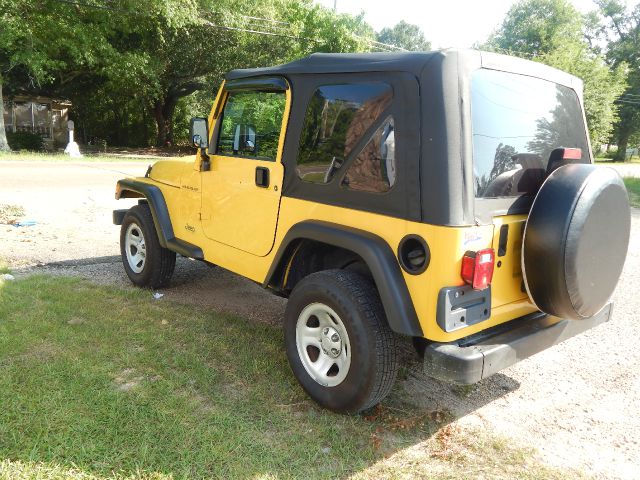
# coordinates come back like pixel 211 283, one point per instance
pixel 375 252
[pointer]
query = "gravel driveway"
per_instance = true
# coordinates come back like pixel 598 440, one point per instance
pixel 578 403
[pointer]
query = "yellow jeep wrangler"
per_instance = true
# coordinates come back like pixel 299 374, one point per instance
pixel 446 196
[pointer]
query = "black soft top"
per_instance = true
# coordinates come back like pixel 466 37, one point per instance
pixel 432 108
pixel 412 62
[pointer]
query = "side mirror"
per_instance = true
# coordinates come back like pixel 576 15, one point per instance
pixel 199 132
pixel 244 139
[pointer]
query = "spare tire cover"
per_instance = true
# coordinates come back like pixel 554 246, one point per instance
pixel 575 240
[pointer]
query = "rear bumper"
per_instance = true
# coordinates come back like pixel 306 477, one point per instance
pixel 470 360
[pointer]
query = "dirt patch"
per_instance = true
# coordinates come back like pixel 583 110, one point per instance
pixel 127 380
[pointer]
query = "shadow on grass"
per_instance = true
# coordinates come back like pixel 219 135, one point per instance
pixel 108 381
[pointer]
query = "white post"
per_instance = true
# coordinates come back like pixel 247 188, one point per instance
pixel 73 150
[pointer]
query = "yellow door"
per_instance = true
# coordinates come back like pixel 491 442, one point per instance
pixel 241 191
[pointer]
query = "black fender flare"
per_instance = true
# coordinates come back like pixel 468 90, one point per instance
pixel 378 256
pixel 161 217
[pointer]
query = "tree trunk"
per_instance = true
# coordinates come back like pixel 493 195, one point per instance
pixel 169 110
pixel 163 112
pixel 165 108
pixel 623 142
pixel 4 144
pixel 158 114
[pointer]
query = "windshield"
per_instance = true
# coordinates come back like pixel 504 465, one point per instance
pixel 517 121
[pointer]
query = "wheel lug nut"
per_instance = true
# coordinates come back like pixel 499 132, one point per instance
pixel 335 337
pixel 326 330
pixel 335 351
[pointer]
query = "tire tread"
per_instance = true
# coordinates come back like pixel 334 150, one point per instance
pixel 163 266
pixel 362 291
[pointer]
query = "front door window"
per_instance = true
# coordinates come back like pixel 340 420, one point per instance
pixel 251 124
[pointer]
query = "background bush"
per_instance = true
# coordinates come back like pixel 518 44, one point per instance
pixel 24 141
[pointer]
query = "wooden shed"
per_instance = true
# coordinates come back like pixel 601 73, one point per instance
pixel 41 115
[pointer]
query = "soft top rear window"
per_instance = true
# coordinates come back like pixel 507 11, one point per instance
pixel 517 121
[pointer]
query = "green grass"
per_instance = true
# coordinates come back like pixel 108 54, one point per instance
pixel 89 157
pixel 99 382
pixel 4 267
pixel 633 187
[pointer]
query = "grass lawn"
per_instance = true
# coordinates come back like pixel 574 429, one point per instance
pixel 99 382
pixel 633 187
pixel 605 160
pixel 89 157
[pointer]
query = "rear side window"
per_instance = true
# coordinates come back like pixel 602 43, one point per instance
pixel 251 125
pixel 337 119
pixel 517 121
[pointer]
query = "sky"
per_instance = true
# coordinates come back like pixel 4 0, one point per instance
pixel 448 23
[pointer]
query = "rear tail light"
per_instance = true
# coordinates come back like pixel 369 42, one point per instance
pixel 572 154
pixel 477 268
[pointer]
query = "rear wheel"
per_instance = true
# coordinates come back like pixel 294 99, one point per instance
pixel 147 264
pixel 338 342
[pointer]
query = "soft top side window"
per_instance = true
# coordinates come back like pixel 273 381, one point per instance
pixel 337 118
pixel 251 124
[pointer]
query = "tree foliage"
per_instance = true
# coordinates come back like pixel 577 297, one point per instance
pixel 42 46
pixel 404 35
pixel 619 28
pixel 129 70
pixel 553 32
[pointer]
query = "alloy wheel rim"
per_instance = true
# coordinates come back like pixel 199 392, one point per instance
pixel 323 344
pixel 135 248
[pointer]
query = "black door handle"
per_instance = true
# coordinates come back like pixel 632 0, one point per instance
pixel 262 177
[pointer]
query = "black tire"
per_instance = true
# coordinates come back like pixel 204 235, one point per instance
pixel 575 241
pixel 159 263
pixel 373 348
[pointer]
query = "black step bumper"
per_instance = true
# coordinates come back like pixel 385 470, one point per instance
pixel 470 360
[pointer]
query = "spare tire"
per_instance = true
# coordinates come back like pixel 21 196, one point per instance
pixel 575 241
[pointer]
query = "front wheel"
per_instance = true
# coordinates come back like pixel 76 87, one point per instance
pixel 338 342
pixel 147 264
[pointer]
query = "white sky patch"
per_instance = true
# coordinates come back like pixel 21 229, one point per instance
pixel 452 23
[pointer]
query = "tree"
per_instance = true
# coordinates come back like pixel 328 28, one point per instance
pixel 620 29
pixel 126 68
pixel 404 35
pixel 4 144
pixel 47 45
pixel 552 32
pixel 196 55
pixel 538 27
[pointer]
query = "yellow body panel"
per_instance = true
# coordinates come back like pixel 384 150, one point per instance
pixel 447 245
pixel 507 275
pixel 240 227
pixel 235 211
